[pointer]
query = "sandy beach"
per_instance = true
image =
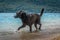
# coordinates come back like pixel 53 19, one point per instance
pixel 47 34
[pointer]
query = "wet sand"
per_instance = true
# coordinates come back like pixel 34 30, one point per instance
pixel 46 34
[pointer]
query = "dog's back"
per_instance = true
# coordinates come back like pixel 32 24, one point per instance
pixel 35 18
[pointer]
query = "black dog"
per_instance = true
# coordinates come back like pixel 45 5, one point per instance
pixel 29 19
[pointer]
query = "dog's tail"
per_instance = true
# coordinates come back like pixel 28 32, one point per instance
pixel 42 12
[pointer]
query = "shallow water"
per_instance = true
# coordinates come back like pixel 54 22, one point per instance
pixel 8 22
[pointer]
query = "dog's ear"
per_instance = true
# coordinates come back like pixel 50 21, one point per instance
pixel 24 14
pixel 21 11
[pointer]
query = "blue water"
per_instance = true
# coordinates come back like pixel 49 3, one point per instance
pixel 8 22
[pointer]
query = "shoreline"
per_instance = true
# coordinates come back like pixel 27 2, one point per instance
pixel 24 35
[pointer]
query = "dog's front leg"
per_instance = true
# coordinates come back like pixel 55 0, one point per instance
pixel 21 27
pixel 30 28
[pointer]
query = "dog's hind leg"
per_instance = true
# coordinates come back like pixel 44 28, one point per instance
pixel 36 26
pixel 39 23
pixel 40 26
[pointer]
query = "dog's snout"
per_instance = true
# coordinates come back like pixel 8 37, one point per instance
pixel 15 17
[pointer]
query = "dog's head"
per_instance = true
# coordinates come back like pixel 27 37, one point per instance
pixel 20 14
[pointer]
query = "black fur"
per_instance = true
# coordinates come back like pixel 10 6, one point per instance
pixel 29 19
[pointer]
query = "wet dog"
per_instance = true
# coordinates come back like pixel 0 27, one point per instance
pixel 30 19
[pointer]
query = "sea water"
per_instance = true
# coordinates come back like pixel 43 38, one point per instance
pixel 8 22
